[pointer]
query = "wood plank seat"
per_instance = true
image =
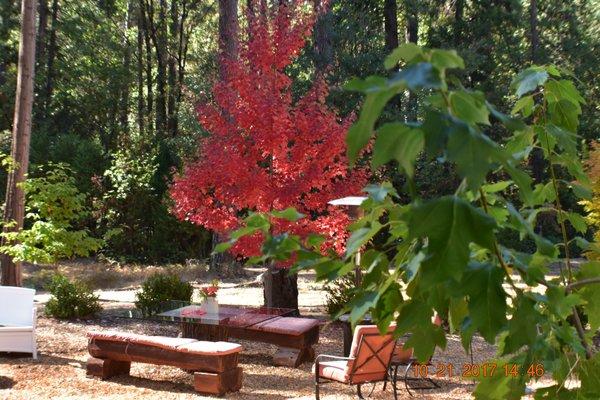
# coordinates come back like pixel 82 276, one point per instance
pixel 295 338
pixel 214 364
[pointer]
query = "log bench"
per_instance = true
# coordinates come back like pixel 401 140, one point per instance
pixel 214 364
pixel 295 337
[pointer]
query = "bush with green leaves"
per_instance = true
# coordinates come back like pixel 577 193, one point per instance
pixel 443 254
pixel 160 288
pixel 54 209
pixel 134 210
pixel 338 293
pixel 71 299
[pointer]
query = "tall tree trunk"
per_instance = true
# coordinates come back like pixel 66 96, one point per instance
pixel 323 49
pixel 140 73
pixel 124 106
pixel 228 46
pixel 459 10
pixel 533 27
pixel 52 49
pixel 172 73
pixel 160 43
pixel 390 18
pixel 14 208
pixel 412 36
pixel 149 64
pixel 40 47
pixel 228 30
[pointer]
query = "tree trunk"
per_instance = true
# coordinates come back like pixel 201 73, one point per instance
pixel 459 10
pixel 322 39
pixel 280 288
pixel 51 57
pixel 124 107
pixel 149 81
pixel 228 30
pixel 390 18
pixel 172 74
pixel 533 27
pixel 40 47
pixel 412 36
pixel 140 72
pixel 15 197
pixel 160 43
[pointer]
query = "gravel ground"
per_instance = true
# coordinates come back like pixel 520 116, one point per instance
pixel 59 373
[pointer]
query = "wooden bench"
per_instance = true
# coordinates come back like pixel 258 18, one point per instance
pixel 295 338
pixel 214 364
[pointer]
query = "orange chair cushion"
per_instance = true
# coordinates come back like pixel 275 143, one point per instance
pixel 334 370
pixel 210 348
pixel 287 325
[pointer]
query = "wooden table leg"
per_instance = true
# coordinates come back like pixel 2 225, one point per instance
pixel 105 368
pixel 288 357
pixel 211 333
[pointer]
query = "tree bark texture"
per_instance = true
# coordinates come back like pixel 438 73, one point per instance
pixel 280 288
pixel 228 30
pixel 323 49
pixel 15 197
pixel 52 50
pixel 412 36
pixel 390 19
pixel 533 27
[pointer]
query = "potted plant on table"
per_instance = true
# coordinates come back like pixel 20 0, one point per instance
pixel 209 297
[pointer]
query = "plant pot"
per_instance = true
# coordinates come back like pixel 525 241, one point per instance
pixel 210 305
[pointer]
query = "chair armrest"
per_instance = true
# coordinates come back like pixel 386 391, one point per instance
pixel 34 317
pixel 321 356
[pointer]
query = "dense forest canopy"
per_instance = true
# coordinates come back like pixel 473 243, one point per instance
pixel 117 82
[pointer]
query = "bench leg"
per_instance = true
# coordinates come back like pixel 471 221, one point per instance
pixel 219 383
pixel 105 368
pixel 287 357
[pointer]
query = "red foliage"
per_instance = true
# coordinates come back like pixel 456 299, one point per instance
pixel 265 151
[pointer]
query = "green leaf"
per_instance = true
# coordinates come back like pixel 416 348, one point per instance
pixel 525 105
pixel 517 221
pixel 443 59
pixel 591 293
pixel 457 312
pixel 397 141
pixel 361 131
pixel 528 80
pixel 472 152
pixel 451 224
pixel 557 90
pixel 565 139
pixel 561 303
pixel 361 305
pixel 487 299
pixel 511 123
pixel 289 214
pixel 380 192
pixel 522 326
pixel 564 114
pixel 469 107
pixel 417 76
pixel 425 340
pixel 360 237
pixel 222 247
pixel 577 221
pixel 589 373
pixel 405 52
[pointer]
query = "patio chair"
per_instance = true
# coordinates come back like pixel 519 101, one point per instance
pixel 405 357
pixel 369 361
pixel 17 320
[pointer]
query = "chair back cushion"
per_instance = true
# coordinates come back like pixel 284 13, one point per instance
pixel 16 307
pixel 372 353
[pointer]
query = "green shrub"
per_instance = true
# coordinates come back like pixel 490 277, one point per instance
pixel 339 293
pixel 160 288
pixel 71 299
pixel 55 208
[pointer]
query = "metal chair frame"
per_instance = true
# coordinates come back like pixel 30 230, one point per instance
pixel 374 354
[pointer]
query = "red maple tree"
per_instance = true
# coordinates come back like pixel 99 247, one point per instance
pixel 266 152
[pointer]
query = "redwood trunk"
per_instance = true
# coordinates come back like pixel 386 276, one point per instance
pixel 390 18
pixel 15 197
pixel 280 288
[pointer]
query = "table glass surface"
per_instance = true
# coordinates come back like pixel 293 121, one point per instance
pixel 227 315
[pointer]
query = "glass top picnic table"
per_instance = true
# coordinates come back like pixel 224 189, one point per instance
pixel 226 315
